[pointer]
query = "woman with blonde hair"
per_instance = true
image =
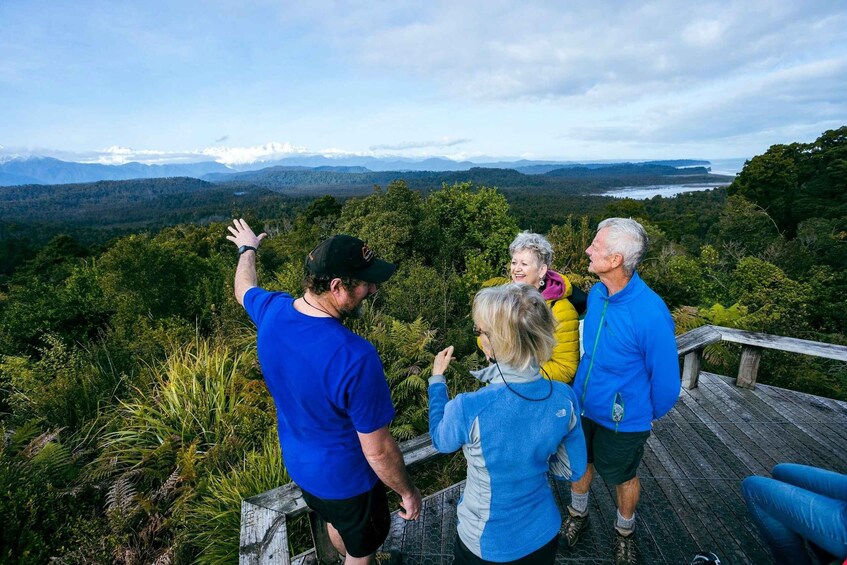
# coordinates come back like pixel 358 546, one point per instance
pixel 512 432
pixel 532 257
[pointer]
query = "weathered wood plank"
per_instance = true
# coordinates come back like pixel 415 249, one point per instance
pixel 659 525
pixel 828 433
pixel 738 420
pixel 716 473
pixel 682 498
pixel 781 427
pixel 418 450
pixel 747 463
pixel 790 344
pixel 748 367
pixel 264 536
pixel 691 369
pixel 697 338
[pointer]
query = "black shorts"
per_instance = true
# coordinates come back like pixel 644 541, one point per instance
pixel 615 455
pixel 362 520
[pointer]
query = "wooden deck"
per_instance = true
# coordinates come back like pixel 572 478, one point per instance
pixel 716 435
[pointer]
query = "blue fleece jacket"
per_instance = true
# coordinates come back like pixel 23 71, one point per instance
pixel 507 510
pixel 629 373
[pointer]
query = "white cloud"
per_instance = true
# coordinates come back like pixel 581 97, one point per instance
pixel 516 50
pixel 242 155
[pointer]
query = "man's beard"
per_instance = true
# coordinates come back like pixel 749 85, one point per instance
pixel 351 313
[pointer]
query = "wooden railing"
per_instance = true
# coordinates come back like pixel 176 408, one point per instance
pixel 691 344
pixel 264 517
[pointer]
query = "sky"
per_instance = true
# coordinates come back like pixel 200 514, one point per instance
pixel 239 81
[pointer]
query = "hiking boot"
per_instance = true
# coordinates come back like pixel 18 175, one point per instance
pixel 572 527
pixel 388 557
pixel 625 549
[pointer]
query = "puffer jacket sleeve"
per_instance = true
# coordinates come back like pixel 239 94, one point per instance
pixel 562 365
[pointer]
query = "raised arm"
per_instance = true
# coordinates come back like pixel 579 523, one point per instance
pixel 446 422
pixel 245 273
pixel 386 460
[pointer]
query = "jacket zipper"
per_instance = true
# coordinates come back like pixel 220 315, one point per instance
pixel 593 355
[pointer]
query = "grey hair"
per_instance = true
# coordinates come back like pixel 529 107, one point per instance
pixel 536 243
pixel 627 237
pixel 519 324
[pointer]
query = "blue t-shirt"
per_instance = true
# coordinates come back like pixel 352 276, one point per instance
pixel 327 384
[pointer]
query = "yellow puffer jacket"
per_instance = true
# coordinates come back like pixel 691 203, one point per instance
pixel 557 288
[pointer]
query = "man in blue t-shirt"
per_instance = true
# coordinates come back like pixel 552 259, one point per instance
pixel 332 400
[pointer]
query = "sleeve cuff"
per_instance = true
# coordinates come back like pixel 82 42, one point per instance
pixel 435 379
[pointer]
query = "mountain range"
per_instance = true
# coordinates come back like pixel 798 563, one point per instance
pixel 50 171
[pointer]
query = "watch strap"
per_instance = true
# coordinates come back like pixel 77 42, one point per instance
pixel 245 248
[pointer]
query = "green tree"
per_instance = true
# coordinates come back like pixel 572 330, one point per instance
pixel 772 181
pixel 569 242
pixel 387 220
pixel 745 228
pixel 775 303
pixel 461 222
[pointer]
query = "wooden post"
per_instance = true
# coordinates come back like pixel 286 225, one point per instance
pixel 324 550
pixel 264 536
pixel 691 369
pixel 748 369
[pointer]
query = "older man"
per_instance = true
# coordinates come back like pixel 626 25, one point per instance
pixel 332 400
pixel 627 377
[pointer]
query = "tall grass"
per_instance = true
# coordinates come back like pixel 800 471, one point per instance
pixel 215 524
pixel 201 411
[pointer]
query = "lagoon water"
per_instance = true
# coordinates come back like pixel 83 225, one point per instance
pixel 664 190
pixel 718 167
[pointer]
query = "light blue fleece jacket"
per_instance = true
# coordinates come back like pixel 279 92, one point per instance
pixel 507 510
pixel 629 373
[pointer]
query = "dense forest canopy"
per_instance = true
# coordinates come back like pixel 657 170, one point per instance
pixel 135 418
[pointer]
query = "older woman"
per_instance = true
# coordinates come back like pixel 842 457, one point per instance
pixel 532 256
pixel 512 432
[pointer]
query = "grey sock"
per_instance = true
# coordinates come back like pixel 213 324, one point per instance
pixel 624 526
pixel 579 503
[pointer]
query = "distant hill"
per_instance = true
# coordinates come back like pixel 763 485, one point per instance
pixel 10 179
pixel 625 169
pixel 574 179
pixel 615 168
pixel 438 164
pixel 139 202
pixel 46 170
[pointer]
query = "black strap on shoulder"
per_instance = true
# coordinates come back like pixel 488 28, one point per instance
pixel 579 300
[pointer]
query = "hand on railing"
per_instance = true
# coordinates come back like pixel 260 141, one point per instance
pixel 411 505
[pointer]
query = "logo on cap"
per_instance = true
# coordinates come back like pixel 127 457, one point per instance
pixel 367 254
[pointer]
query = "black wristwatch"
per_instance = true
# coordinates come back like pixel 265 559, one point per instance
pixel 244 248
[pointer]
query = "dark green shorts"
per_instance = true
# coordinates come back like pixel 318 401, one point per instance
pixel 615 455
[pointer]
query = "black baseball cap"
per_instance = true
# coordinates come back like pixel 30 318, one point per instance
pixel 348 257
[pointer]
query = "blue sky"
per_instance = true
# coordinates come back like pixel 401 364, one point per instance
pixel 116 81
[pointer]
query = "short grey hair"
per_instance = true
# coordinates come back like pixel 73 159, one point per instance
pixel 519 324
pixel 536 243
pixel 627 237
